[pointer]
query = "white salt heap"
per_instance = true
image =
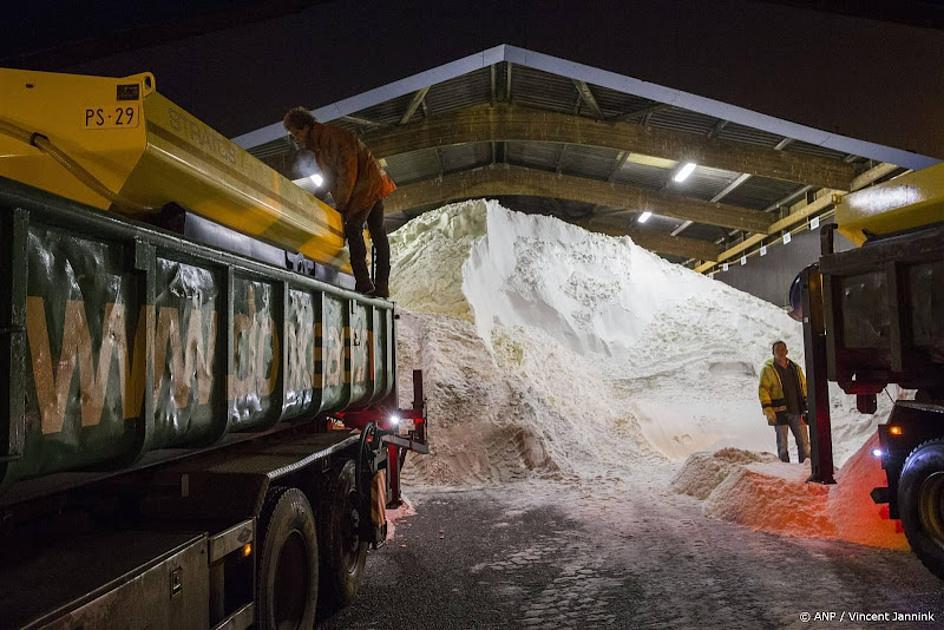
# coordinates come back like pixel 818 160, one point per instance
pixel 551 350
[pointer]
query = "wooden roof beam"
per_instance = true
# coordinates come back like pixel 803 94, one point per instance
pixel 654 241
pixel 515 180
pixel 453 188
pixel 488 124
pixel 823 200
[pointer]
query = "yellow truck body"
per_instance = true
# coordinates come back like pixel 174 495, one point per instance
pixel 906 202
pixel 150 152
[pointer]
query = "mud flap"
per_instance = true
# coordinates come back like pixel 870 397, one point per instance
pixel 378 508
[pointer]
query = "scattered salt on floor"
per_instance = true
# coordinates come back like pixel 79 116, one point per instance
pixel 776 497
pixel 703 471
pixel 773 497
pixel 552 351
pixel 395 515
pixel 857 518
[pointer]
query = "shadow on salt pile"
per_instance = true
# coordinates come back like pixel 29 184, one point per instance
pixel 760 492
pixel 494 455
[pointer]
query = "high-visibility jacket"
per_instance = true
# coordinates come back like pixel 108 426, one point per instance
pixel 770 390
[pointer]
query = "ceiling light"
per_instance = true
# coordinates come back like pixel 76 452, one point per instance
pixel 644 216
pixel 682 174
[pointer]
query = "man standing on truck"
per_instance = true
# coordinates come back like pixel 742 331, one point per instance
pixel 782 393
pixel 358 185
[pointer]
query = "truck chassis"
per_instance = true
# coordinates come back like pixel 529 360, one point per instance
pixel 874 316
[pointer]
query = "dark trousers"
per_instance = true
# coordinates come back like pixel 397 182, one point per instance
pixel 800 434
pixel 354 233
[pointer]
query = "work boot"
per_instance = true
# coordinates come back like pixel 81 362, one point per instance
pixel 382 278
pixel 381 291
pixel 365 287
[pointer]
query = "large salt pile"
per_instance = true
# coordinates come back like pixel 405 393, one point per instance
pixel 555 351
pixel 517 405
pixel 543 341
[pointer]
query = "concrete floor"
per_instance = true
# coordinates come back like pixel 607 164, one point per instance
pixel 610 555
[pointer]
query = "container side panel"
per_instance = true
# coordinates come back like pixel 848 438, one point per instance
pixel 358 347
pixel 85 378
pixel 335 392
pixel 926 284
pixel 187 362
pixel 256 356
pixel 302 393
pixel 865 311
pixel 122 339
pixel 386 357
pixel 375 348
pixel 390 349
pixel 14 239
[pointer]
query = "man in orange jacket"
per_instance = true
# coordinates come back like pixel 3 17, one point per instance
pixel 358 185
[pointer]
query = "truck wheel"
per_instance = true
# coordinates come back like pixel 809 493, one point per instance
pixel 287 584
pixel 345 552
pixel 921 503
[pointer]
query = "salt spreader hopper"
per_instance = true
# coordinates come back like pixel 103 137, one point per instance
pixel 117 144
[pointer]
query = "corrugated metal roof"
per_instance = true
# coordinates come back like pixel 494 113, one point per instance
pixel 545 91
pixel 812 149
pixel 704 232
pixel 683 120
pixel 760 192
pixel 593 162
pixel 462 157
pixel 351 126
pixel 704 183
pixel 533 88
pixel 749 135
pixel 277 147
pixel 413 166
pixel 655 224
pixel 616 104
pixel 542 155
pixel 642 175
pixel 465 91
pixel 386 113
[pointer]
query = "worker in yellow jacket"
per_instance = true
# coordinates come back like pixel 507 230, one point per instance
pixel 782 393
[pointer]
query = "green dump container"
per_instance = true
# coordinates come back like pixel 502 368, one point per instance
pixel 117 339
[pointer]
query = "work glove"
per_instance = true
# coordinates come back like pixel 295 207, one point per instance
pixel 771 415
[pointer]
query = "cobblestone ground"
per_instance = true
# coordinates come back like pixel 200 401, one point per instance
pixel 618 555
